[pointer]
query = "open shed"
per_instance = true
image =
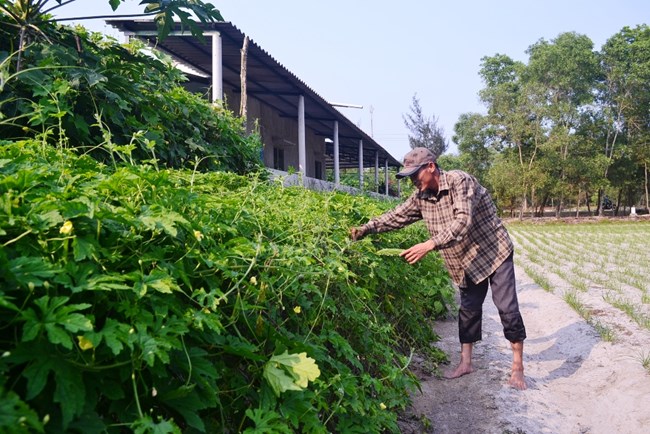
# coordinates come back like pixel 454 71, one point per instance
pixel 299 128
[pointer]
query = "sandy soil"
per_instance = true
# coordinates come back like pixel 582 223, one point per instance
pixel 577 383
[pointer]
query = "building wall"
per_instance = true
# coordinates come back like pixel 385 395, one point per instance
pixel 280 137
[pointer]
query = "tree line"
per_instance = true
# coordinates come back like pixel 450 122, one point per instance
pixel 568 128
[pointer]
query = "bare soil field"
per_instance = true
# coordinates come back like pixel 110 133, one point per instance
pixel 588 337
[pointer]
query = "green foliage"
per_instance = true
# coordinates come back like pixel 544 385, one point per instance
pixel 33 16
pixel 158 300
pixel 116 103
pixel 471 133
pixel 626 64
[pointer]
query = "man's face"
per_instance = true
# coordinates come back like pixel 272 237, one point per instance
pixel 424 178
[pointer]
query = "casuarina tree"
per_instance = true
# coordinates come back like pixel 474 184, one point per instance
pixel 424 131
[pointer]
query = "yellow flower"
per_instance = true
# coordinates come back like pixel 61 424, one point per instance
pixel 253 280
pixel 84 343
pixel 297 309
pixel 66 229
pixel 382 406
pixel 198 235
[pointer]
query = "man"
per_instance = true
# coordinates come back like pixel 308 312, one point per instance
pixel 477 250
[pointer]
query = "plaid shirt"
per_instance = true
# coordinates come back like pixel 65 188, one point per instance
pixel 463 224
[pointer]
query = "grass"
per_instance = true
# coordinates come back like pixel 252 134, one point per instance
pixel 571 298
pixel 578 283
pixel 645 298
pixel 630 310
pixel 645 360
pixel 605 332
pixel 538 278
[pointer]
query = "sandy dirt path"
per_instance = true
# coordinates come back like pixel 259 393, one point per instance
pixel 577 383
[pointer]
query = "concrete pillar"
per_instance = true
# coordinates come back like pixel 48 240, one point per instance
pixel 337 175
pixel 376 171
pixel 360 164
pixel 302 153
pixel 217 68
pixel 386 176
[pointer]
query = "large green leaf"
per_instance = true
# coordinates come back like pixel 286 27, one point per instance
pixel 266 422
pixel 69 391
pixel 158 218
pixel 188 403
pixel 34 270
pixel 57 319
pixel 146 425
pixel 115 335
pixel 278 379
pixel 7 302
pixel 158 280
pixel 86 276
pixel 15 415
pixel 301 369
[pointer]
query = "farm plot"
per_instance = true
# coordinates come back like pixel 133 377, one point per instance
pixel 600 269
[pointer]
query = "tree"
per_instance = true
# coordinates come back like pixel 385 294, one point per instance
pixel 502 179
pixel 569 123
pixel 451 162
pixel 424 132
pixel 514 120
pixel 565 71
pixel 473 136
pixel 625 59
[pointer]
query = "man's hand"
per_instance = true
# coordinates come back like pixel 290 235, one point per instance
pixel 357 233
pixel 417 252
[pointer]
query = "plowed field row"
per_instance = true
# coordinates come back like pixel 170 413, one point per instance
pixel 601 269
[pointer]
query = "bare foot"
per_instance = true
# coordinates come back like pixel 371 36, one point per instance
pixel 517 379
pixel 461 369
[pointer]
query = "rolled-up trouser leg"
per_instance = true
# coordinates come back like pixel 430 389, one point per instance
pixel 470 313
pixel 504 295
pixel 469 326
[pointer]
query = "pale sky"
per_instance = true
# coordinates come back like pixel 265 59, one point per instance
pixel 378 54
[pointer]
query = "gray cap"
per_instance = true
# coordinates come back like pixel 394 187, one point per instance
pixel 415 159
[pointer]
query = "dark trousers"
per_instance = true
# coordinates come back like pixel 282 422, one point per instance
pixel 504 295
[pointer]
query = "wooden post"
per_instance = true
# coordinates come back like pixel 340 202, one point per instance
pixel 242 79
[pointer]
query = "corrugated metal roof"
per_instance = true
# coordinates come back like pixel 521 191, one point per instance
pixel 267 80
